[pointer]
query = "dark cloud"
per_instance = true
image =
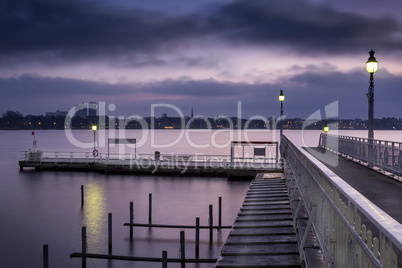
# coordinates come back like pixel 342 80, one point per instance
pixel 48 31
pixel 81 30
pixel 305 94
pixel 304 26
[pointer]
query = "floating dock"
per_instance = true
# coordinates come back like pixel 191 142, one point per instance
pixel 172 165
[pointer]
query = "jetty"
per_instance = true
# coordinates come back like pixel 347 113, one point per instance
pixel 247 161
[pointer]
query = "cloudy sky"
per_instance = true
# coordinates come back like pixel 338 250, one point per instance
pixel 202 54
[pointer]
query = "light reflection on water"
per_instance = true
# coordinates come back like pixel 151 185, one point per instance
pixel 94 215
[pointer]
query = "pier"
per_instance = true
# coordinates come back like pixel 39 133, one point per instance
pixel 331 206
pixel 259 157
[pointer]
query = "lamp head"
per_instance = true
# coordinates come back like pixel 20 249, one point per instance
pixel 281 96
pixel 326 128
pixel 372 63
pixel 94 127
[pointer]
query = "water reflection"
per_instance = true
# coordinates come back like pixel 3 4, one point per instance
pixel 94 217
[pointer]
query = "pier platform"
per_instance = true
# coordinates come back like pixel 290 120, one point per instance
pixel 173 166
pixel 263 233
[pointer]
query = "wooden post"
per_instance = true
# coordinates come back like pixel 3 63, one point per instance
pixel 164 259
pixel 211 220
pixel 182 250
pixel 84 245
pixel 150 209
pixel 82 195
pixel 45 256
pixel 220 211
pixel 110 232
pixel 131 218
pixel 197 237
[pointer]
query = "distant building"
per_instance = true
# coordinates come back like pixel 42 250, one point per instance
pixel 58 113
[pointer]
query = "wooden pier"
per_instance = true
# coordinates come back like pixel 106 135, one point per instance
pixel 166 166
pixel 263 233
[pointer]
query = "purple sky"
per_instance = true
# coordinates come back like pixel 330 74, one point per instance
pixel 204 54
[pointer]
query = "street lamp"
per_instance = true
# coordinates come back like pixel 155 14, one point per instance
pixel 95 152
pixel 281 99
pixel 326 128
pixel 371 66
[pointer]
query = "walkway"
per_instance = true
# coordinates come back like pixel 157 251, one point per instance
pixel 380 189
pixel 263 233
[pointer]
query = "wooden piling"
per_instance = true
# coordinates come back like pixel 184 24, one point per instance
pixel 150 209
pixel 197 237
pixel 131 218
pixel 82 195
pixel 164 259
pixel 45 256
pixel 84 245
pixel 220 211
pixel 182 250
pixel 211 220
pixel 110 233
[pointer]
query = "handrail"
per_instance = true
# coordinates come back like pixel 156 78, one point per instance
pixel 336 210
pixel 386 155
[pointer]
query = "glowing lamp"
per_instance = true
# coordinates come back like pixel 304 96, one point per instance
pixel 371 63
pixel 326 128
pixel 281 96
pixel 94 127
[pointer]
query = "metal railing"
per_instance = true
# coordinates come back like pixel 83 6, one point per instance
pixel 386 155
pixel 336 212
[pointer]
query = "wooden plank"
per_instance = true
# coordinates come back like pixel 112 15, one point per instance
pixel 259 249
pixel 260 261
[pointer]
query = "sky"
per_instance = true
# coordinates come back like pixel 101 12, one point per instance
pixel 212 56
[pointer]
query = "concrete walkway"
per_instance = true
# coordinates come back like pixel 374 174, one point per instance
pixel 380 189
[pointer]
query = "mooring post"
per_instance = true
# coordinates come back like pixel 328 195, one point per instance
pixel 82 195
pixel 84 245
pixel 182 250
pixel 220 211
pixel 45 256
pixel 150 209
pixel 211 220
pixel 197 237
pixel 164 259
pixel 131 218
pixel 110 232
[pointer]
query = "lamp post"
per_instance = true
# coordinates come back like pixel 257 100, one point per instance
pixel 326 128
pixel 281 99
pixel 94 153
pixel 371 66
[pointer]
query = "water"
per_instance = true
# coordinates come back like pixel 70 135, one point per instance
pixel 39 208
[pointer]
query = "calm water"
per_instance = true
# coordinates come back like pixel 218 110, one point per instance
pixel 39 208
